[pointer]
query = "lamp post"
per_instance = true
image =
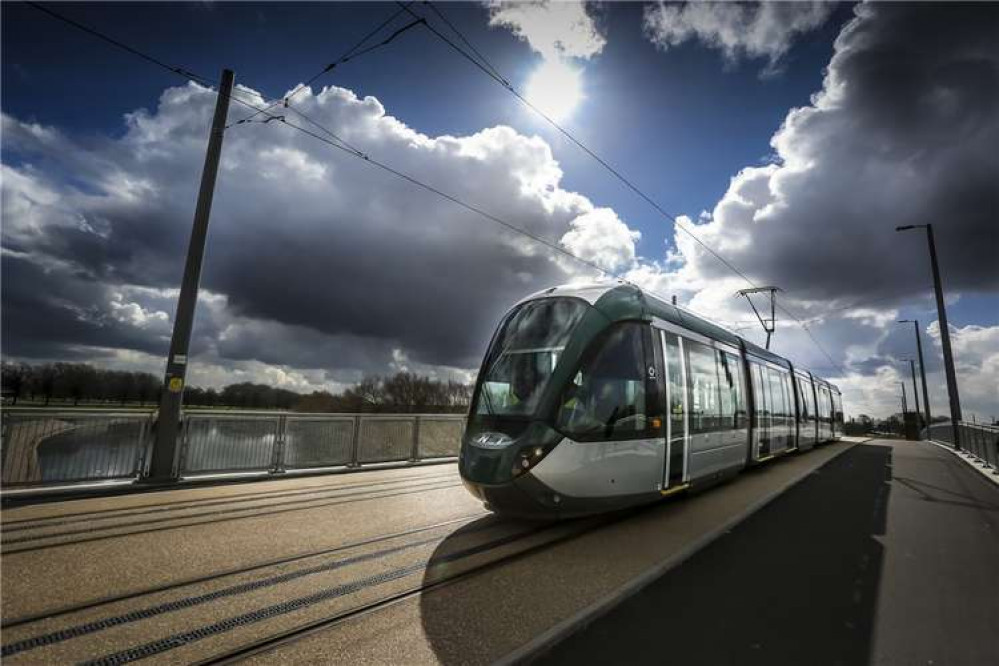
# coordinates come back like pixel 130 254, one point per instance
pixel 915 392
pixel 922 372
pixel 955 400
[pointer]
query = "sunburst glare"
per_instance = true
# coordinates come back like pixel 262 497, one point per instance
pixel 556 88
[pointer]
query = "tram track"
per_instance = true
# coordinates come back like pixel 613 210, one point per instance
pixel 314 494
pixel 499 535
pixel 104 601
pixel 144 509
pixel 193 600
pixel 300 505
pixel 561 532
pixel 269 643
pixel 437 570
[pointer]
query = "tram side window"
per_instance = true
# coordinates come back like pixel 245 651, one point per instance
pixel 823 405
pixel 759 390
pixel 702 373
pixel 735 363
pixel 731 393
pixel 785 383
pixel 674 376
pixel 802 400
pixel 813 406
pixel 607 399
pixel 777 399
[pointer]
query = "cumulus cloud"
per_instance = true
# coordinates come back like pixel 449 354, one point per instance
pixel 976 364
pixel 554 29
pixel 737 29
pixel 321 268
pixel 315 261
pixel 601 237
pixel 876 148
pixel 902 132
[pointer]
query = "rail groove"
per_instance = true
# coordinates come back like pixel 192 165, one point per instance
pixel 350 500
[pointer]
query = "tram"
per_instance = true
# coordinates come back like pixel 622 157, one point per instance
pixel 598 397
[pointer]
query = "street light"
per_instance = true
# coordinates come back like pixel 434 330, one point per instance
pixel 955 400
pixel 922 371
pixel 915 392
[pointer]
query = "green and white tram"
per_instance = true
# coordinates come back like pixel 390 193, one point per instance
pixel 594 398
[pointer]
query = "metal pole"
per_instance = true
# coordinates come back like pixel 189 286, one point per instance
pixel 922 372
pixel 164 451
pixel 773 318
pixel 955 400
pixel 905 404
pixel 915 392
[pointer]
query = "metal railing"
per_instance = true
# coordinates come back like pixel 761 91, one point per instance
pixel 49 446
pixel 978 440
pixel 42 446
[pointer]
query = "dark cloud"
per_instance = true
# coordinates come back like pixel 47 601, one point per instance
pixel 343 267
pixel 320 267
pixel 904 132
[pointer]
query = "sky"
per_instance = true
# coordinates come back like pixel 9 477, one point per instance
pixel 790 138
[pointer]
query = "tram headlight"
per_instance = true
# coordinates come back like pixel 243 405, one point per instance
pixel 526 459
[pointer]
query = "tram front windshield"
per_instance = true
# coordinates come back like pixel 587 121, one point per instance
pixel 524 355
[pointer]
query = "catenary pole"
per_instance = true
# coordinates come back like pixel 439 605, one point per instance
pixel 162 466
pixel 922 372
pixel 915 391
pixel 955 400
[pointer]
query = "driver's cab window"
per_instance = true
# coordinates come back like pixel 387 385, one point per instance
pixel 606 399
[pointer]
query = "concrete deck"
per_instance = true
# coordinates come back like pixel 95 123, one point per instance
pixel 900 565
pixel 384 567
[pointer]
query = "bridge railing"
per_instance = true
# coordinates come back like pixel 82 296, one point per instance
pixel 978 440
pixel 52 446
pixel 43 446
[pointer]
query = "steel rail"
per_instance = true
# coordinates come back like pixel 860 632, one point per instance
pixel 339 501
pixel 180 505
pixel 289 636
pixel 103 601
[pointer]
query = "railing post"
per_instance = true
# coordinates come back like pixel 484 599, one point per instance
pixel 355 443
pixel 415 453
pixel 277 459
pixel 185 444
pixel 139 468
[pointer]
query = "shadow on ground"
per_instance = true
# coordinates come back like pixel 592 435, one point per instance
pixel 796 583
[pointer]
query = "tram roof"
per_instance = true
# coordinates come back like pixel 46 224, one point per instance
pixel 620 301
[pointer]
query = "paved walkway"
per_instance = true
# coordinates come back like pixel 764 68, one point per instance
pixel 889 554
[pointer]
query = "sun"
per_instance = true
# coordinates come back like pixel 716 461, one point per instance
pixel 556 88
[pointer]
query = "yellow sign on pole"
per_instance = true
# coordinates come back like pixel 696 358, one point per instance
pixel 176 384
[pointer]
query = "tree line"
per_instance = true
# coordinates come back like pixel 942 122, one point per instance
pixel 82 383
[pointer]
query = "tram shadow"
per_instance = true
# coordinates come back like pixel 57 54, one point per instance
pixel 795 583
pixel 461 615
pixel 478 618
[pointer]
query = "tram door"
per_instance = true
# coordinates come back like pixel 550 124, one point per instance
pixel 677 435
pixel 761 393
